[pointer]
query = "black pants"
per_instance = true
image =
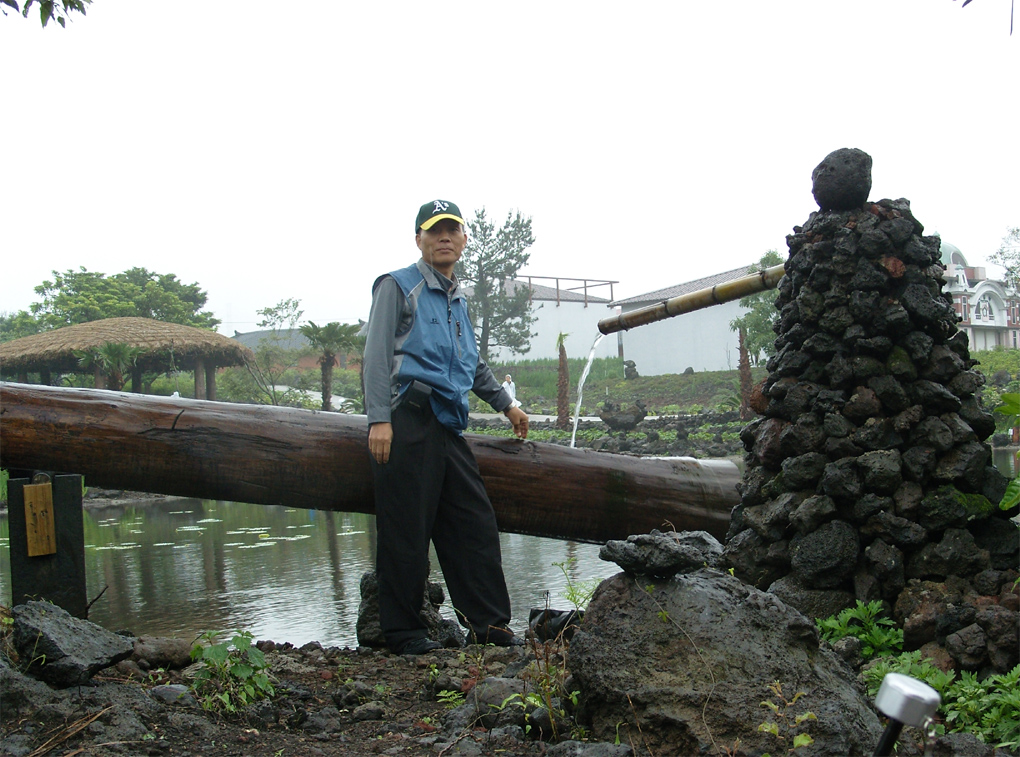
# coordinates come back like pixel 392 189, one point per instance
pixel 431 489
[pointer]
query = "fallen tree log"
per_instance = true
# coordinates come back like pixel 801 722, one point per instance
pixel 308 459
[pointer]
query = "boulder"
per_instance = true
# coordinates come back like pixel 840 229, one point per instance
pixel 682 666
pixel 663 554
pixel 842 180
pixel 63 650
pixel 370 634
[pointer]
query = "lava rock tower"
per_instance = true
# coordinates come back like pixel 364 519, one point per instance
pixel 868 476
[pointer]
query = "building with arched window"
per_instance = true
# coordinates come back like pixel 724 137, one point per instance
pixel 989 313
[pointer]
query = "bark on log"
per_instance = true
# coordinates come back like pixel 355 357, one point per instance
pixel 315 460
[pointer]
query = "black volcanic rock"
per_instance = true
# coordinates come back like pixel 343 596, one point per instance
pixel 843 180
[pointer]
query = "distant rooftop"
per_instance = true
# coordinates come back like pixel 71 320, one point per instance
pixel 563 289
pixel 659 295
pixel 287 339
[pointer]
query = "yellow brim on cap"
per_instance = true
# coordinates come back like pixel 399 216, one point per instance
pixel 437 218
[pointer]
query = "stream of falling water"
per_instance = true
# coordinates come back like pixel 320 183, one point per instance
pixel 580 387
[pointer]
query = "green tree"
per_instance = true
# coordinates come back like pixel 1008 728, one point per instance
pixel 501 313
pixel 562 384
pixel 331 340
pixel 1008 256
pixel 165 298
pixel 82 296
pixel 273 356
pixel 17 325
pixel 49 9
pixel 759 337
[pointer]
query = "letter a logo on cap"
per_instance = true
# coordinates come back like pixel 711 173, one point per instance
pixel 433 212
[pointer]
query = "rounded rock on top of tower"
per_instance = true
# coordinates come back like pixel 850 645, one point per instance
pixel 842 180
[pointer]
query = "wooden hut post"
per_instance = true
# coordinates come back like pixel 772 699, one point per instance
pixel 100 377
pixel 44 377
pixel 136 378
pixel 199 378
pixel 210 381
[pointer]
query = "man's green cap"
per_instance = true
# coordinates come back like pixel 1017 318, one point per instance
pixel 435 211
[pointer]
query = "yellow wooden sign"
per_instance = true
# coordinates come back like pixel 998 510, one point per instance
pixel 40 532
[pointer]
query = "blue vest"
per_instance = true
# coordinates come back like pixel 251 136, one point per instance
pixel 439 349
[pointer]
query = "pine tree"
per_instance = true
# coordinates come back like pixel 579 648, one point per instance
pixel 500 311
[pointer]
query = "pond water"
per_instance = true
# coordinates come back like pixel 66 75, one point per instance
pixel 1005 459
pixel 183 566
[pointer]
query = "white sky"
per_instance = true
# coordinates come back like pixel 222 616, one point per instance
pixel 275 150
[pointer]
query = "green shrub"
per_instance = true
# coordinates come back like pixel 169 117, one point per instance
pixel 879 636
pixel 233 674
pixel 989 708
pixel 909 664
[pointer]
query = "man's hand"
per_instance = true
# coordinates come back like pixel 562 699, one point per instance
pixel 380 437
pixel 518 418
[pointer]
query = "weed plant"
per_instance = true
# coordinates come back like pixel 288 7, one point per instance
pixel 879 635
pixel 785 725
pixel 450 699
pixel 578 593
pixel 233 674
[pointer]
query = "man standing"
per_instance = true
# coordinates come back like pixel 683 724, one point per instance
pixel 511 388
pixel 421 359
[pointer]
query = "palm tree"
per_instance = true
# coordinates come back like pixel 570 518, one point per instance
pixel 744 371
pixel 331 340
pixel 114 359
pixel 562 386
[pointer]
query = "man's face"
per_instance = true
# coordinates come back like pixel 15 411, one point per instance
pixel 442 245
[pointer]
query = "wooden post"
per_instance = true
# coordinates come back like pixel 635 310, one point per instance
pixel 199 379
pixel 210 381
pixel 56 576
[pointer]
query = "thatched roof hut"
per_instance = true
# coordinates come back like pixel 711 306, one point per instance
pixel 166 346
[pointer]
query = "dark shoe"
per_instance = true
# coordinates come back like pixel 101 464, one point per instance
pixel 420 646
pixel 505 638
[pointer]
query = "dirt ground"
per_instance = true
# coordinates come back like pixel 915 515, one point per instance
pixel 328 702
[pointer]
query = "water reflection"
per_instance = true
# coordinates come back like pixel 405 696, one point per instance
pixel 1005 459
pixel 179 567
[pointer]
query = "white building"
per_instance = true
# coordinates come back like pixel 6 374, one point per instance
pixel 701 339
pixel 563 306
pixel 989 313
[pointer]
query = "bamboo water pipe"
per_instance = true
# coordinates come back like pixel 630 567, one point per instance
pixel 703 298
